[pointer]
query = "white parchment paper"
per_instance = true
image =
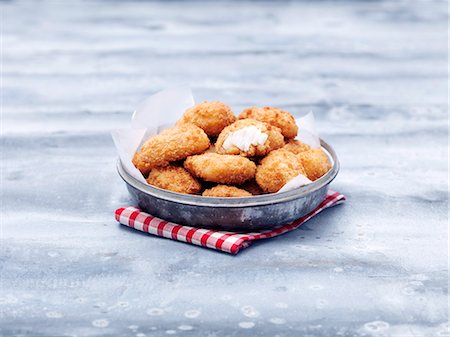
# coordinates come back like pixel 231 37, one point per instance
pixel 307 132
pixel 155 113
pixel 162 110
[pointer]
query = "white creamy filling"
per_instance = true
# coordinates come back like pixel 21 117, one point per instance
pixel 295 182
pixel 244 138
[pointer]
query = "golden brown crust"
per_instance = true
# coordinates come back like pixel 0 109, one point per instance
pixel 225 191
pixel 277 169
pixel 315 162
pixel 212 117
pixel 274 140
pixel 222 169
pixel 273 116
pixel 175 179
pixel 296 146
pixel 170 145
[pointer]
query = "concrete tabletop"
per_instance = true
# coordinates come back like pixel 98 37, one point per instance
pixel 374 74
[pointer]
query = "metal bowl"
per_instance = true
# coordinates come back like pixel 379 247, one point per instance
pixel 232 214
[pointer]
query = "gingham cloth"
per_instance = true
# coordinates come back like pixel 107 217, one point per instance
pixel 228 242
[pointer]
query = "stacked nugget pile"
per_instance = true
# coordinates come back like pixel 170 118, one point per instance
pixel 211 152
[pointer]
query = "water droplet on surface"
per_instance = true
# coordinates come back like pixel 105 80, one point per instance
pixel 155 312
pixel 246 325
pixel 321 303
pixel 315 327
pixel 249 311
pixel 420 277
pixel 185 327
pixel 100 323
pixel 54 314
pixel 193 313
pixel 305 248
pixel 140 334
pixel 171 332
pixel 338 270
pixel 277 320
pixel 133 327
pixel 123 304
pixel 376 326
pixel 280 289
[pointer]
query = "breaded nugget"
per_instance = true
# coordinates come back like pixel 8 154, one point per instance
pixel 273 116
pixel 249 137
pixel 252 187
pixel 277 169
pixel 296 146
pixel 212 117
pixel 175 179
pixel 315 162
pixel 222 169
pixel 225 191
pixel 170 145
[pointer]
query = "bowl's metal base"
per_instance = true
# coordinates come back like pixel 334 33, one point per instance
pixel 246 219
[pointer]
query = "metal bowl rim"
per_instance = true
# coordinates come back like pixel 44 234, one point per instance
pixel 256 200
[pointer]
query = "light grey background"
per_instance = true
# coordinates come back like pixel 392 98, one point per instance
pixel 375 75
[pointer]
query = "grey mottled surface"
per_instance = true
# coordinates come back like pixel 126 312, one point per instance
pixel 375 74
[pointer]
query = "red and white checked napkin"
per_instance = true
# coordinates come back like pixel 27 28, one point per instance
pixel 228 242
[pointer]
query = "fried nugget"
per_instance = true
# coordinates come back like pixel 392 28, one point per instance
pixel 249 138
pixel 222 169
pixel 273 116
pixel 296 146
pixel 252 187
pixel 171 144
pixel 226 192
pixel 212 117
pixel 275 170
pixel 175 179
pixel 315 162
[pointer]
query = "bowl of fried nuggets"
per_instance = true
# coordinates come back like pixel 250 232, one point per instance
pixel 216 170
